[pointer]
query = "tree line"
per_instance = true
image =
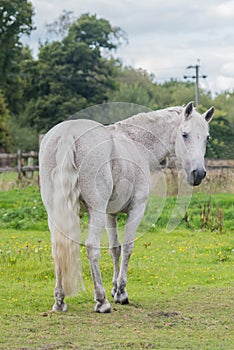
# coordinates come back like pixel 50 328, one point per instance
pixel 75 69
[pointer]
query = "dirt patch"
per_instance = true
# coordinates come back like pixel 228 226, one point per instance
pixel 164 314
pixel 168 314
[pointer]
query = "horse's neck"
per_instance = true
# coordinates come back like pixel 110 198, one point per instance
pixel 155 133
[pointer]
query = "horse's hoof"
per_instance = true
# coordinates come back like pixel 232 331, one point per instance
pixel 124 301
pixel 60 307
pixel 103 307
pixel 121 298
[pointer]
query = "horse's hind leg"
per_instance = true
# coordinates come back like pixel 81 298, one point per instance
pixel 114 247
pixel 133 220
pixel 59 293
pixel 96 226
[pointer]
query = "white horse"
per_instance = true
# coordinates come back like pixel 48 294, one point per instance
pixel 107 170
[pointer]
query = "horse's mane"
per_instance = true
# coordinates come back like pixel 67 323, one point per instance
pixel 161 115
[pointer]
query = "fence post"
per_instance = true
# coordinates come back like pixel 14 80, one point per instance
pixel 19 164
pixel 30 164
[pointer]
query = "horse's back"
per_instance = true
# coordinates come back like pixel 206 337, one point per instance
pixel 78 129
pixel 85 134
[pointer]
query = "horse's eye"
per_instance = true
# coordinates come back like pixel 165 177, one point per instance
pixel 208 138
pixel 185 135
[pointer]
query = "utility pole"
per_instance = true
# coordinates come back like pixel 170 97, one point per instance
pixel 196 77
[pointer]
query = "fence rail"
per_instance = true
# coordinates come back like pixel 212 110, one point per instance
pixel 24 163
pixel 220 163
pixel 27 162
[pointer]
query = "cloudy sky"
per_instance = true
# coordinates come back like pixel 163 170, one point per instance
pixel 164 37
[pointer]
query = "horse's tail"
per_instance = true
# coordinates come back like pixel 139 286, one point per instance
pixel 64 221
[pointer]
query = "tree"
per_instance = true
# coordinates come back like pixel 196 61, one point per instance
pixel 225 102
pixel 15 21
pixel 71 74
pixel 4 124
pixel 134 86
pixel 138 86
pixel 221 144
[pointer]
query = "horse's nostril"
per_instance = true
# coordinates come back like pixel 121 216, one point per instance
pixel 198 175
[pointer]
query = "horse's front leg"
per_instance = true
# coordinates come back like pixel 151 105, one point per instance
pixel 134 218
pixel 96 227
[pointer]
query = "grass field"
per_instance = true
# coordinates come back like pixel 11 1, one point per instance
pixel 180 283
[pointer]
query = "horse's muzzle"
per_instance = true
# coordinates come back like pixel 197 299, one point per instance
pixel 197 176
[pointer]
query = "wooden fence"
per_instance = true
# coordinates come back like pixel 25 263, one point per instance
pixel 24 163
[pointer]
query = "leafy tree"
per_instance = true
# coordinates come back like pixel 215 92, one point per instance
pixel 71 74
pixel 15 21
pixel 225 102
pixel 134 86
pixel 221 144
pixel 174 93
pixel 4 124
pixel 22 137
pixel 138 86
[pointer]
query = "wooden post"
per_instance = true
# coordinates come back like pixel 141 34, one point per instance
pixel 30 164
pixel 19 164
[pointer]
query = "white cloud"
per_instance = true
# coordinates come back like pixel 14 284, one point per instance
pixel 224 83
pixel 228 69
pixel 226 9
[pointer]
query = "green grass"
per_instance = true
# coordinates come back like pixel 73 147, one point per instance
pixel 180 283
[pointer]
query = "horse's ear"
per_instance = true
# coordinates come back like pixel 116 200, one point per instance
pixel 188 110
pixel 209 114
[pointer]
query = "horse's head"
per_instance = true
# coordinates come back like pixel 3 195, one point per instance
pixel 191 140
